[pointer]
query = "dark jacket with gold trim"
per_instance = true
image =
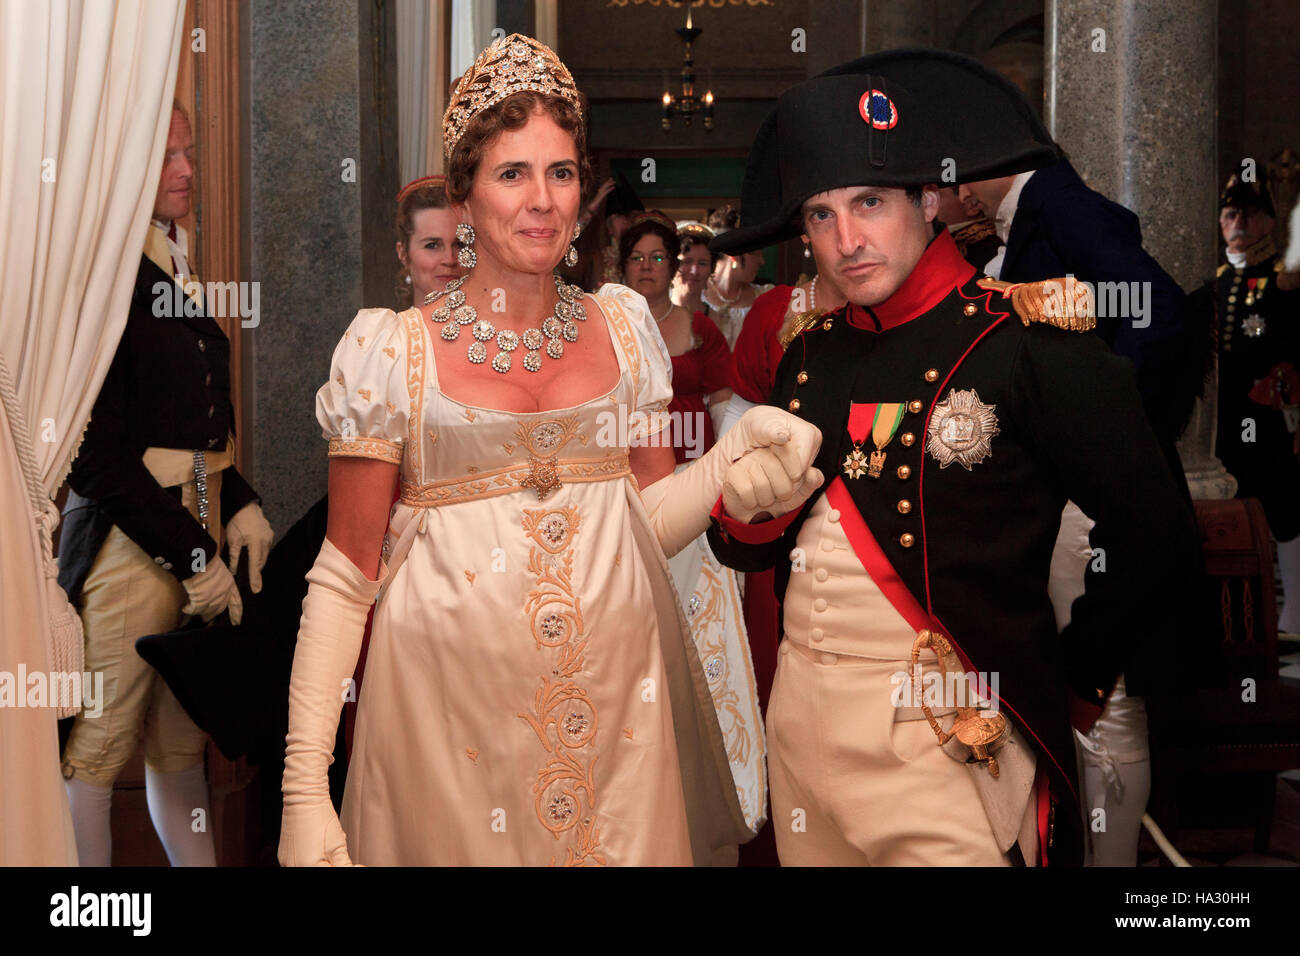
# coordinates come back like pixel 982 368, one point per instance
pixel 167 387
pixel 975 546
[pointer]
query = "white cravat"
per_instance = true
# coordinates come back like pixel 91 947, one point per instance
pixel 178 247
pixel 1236 259
pixel 1002 221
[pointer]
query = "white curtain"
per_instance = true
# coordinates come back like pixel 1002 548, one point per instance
pixel 472 22
pixel 414 19
pixel 85 103
pixel 546 14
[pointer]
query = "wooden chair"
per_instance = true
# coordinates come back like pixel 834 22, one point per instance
pixel 1248 725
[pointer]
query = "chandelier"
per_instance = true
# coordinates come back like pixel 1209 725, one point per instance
pixel 688 104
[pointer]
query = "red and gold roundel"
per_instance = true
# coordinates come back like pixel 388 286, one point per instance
pixel 878 109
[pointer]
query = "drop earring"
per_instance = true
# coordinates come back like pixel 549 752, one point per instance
pixel 807 251
pixel 467 257
pixel 571 255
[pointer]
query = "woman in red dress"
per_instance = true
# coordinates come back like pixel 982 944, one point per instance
pixel 701 359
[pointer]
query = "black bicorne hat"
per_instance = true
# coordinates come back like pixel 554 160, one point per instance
pixel 902 118
pixel 1245 196
pixel 623 199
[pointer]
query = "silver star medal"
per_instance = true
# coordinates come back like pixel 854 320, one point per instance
pixel 961 429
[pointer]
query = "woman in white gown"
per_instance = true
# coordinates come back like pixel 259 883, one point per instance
pixel 532 692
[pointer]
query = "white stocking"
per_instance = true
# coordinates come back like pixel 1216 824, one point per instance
pixel 1116 778
pixel 91 808
pixel 1288 559
pixel 173 798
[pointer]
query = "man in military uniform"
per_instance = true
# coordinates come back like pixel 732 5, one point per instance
pixel 1259 384
pixel 154 492
pixel 975 234
pixel 957 414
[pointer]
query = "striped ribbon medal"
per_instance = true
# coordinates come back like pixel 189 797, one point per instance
pixel 881 421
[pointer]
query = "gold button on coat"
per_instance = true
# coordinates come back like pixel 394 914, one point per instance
pixel 904 471
pixel 907 439
pixel 907 540
pixel 970 308
pixel 915 406
pixel 794 404
pixel 932 375
pixel 802 378
pixel 904 507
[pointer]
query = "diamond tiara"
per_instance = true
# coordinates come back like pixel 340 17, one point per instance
pixel 510 65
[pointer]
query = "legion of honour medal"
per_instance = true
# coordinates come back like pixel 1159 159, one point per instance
pixel 882 420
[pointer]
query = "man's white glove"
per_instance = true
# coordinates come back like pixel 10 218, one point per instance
pixel 249 528
pixel 679 505
pixel 329 641
pixel 761 483
pixel 212 591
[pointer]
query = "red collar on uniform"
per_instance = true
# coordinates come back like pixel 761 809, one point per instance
pixel 940 270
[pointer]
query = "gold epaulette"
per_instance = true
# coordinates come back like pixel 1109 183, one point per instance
pixel 1278 265
pixel 1221 270
pixel 800 324
pixel 1064 303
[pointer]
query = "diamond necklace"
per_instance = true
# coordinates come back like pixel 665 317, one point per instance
pixel 556 329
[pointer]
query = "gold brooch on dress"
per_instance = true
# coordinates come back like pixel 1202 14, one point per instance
pixel 543 476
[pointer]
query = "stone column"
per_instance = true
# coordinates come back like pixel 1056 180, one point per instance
pixel 322 175
pixel 1130 95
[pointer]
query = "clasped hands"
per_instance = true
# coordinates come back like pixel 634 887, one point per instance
pixel 776 475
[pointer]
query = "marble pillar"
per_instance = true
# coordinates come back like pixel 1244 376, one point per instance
pixel 322 173
pixel 1130 96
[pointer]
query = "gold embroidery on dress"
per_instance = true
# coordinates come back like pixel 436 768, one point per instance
pixel 390 351
pixel 470 576
pixel 563 716
pixel 618 321
pixel 510 478
pixel 472 754
pixel 469 415
pixel 392 409
pixel 414 391
pixel 711 644
pixel 545 438
pixel 388 451
pixel 361 340
pixel 364 393
pixel 736 708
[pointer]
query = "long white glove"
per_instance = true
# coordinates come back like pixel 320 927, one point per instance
pixel 679 504
pixel 329 642
pixel 212 591
pixel 249 528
